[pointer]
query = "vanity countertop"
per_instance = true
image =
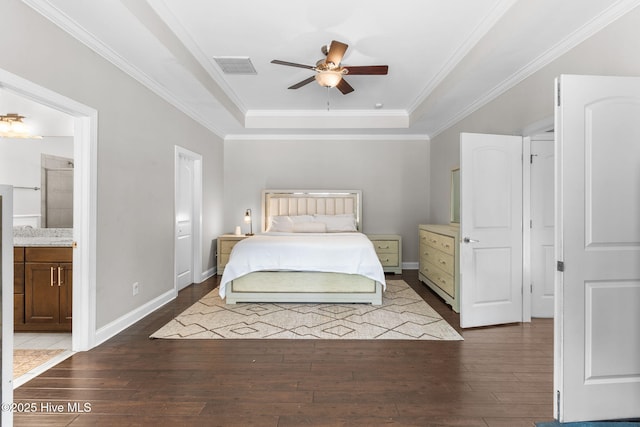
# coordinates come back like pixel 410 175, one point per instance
pixel 28 236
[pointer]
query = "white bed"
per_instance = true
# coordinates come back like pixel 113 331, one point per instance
pixel 318 260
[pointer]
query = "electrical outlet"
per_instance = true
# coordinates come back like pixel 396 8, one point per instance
pixel 136 288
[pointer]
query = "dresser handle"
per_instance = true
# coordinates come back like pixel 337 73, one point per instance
pixel 60 276
pixel 52 280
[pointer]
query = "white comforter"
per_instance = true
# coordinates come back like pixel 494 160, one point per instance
pixel 351 253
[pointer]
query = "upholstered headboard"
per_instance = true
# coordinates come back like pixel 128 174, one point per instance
pixel 309 202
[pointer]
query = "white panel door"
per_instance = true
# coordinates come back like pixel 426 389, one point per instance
pixel 543 264
pixel 184 220
pixel 597 320
pixel 490 229
pixel 6 300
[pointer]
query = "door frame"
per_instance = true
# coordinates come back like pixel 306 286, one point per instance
pixel 85 142
pixel 6 283
pixel 196 232
pixel 526 215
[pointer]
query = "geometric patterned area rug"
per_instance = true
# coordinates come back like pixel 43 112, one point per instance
pixel 403 315
pixel 25 360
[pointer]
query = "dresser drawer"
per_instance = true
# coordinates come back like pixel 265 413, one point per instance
pixel 440 278
pixel 438 241
pixel 446 244
pixel 441 260
pixel 428 238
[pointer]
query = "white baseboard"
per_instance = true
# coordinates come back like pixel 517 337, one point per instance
pixel 123 322
pixel 207 274
pixel 410 266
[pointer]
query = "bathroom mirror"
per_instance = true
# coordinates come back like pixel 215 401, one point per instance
pixel 455 197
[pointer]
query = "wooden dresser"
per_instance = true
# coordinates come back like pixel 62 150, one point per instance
pixel 439 264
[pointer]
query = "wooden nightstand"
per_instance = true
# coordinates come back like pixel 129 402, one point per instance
pixel 389 250
pixel 226 242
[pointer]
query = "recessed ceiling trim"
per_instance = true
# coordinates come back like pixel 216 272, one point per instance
pixel 327 137
pixel 317 119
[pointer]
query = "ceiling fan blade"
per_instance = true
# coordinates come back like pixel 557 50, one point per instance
pixel 302 83
pixel 292 64
pixel 336 52
pixel 367 69
pixel 344 87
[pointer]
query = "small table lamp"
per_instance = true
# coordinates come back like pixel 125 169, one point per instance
pixel 247 219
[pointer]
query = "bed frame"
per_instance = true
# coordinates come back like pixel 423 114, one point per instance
pixel 300 286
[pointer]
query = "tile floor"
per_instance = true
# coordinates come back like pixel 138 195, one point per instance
pixel 41 341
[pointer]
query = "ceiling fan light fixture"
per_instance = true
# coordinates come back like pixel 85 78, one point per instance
pixel 328 78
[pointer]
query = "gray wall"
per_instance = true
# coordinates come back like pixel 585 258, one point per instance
pixel 612 51
pixel 137 132
pixel 393 177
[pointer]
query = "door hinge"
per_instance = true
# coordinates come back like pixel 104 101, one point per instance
pixel 558 403
pixel 560 266
pixel 558 91
pixel 530 223
pixel 531 288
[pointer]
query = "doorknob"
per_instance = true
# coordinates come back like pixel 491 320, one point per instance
pixel 468 240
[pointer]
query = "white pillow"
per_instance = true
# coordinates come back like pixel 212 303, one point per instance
pixel 338 223
pixel 284 223
pixel 309 227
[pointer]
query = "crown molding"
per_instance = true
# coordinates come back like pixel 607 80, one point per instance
pixel 592 27
pixel 327 137
pixel 472 39
pixel 58 18
pixel 322 119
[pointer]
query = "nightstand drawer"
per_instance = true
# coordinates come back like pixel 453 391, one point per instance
pixel 386 246
pixel 226 242
pixel 388 260
pixel 226 246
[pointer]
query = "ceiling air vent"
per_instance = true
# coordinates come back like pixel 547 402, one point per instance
pixel 235 64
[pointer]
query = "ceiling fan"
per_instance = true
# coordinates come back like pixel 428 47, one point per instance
pixel 329 71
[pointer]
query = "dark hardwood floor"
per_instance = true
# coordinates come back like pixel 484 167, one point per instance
pixel 497 376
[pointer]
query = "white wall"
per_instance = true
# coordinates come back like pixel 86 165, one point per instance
pixel 137 132
pixel 393 177
pixel 612 51
pixel 20 166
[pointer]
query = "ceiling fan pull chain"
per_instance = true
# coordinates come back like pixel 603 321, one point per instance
pixel 328 104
